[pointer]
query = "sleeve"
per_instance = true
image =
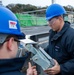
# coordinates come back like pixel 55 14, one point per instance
pixel 68 67
pixel 46 49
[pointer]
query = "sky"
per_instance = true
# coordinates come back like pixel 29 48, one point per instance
pixel 41 3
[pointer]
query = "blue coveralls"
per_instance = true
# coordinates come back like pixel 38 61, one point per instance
pixel 11 66
pixel 61 48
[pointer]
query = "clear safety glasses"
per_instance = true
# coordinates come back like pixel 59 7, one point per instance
pixel 52 21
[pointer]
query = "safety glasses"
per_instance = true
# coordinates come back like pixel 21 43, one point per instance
pixel 52 21
pixel 18 42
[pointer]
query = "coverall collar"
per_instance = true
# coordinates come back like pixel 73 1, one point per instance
pixel 9 65
pixel 57 35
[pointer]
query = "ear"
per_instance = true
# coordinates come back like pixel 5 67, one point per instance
pixel 10 43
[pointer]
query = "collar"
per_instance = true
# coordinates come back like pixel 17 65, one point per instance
pixel 57 35
pixel 7 65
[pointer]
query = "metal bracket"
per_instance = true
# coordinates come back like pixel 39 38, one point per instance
pixel 40 57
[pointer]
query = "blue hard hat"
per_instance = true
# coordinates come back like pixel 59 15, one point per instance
pixel 9 23
pixel 54 10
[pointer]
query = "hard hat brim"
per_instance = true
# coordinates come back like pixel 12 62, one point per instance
pixel 4 36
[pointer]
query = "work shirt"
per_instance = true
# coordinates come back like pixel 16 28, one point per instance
pixel 12 66
pixel 61 48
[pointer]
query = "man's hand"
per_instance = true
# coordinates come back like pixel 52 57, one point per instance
pixel 31 70
pixel 54 70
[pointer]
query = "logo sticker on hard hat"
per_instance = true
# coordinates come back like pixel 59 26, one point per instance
pixel 12 24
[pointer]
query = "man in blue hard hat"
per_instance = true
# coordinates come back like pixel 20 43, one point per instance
pixel 61 42
pixel 10 36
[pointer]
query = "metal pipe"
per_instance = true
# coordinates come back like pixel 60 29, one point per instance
pixel 53 1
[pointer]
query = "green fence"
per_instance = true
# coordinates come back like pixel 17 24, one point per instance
pixel 30 20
